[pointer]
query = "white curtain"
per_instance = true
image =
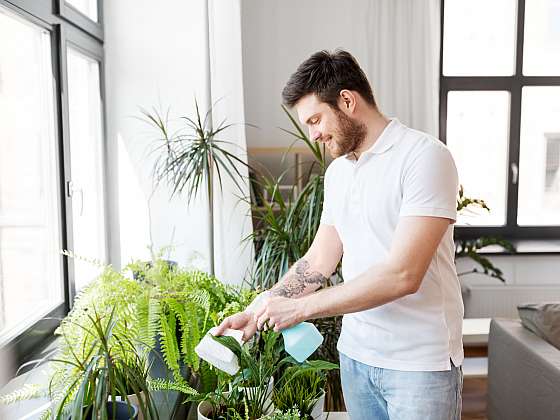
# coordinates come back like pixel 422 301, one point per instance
pixel 403 38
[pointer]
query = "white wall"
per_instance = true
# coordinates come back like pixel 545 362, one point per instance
pixel 156 57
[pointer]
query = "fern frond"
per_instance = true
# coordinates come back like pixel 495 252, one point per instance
pixel 169 345
pixel 26 392
pixel 159 384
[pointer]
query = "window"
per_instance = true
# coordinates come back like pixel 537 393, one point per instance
pixel 52 194
pixel 86 160
pixel 86 7
pixel 30 241
pixel 500 113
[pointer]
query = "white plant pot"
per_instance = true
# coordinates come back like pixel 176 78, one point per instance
pixel 253 391
pixel 205 409
pixel 318 408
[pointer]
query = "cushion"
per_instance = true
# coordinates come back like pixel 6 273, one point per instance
pixel 543 319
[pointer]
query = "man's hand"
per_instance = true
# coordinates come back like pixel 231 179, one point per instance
pixel 280 312
pixel 243 321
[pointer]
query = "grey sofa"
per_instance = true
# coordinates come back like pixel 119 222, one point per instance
pixel 523 374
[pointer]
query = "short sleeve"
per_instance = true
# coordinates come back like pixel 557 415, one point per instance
pixel 326 215
pixel 430 183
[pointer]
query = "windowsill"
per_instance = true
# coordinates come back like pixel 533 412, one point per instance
pixel 526 247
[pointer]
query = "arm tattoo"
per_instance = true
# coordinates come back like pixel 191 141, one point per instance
pixel 297 279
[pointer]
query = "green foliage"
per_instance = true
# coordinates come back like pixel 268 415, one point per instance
pixel 26 392
pixel 101 372
pixel 287 228
pixel 467 203
pixel 292 414
pixel 248 395
pixel 179 307
pixel 470 247
pixel 185 158
pixel 301 385
pixel 164 305
pixel 160 384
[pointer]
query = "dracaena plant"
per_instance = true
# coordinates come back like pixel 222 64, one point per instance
pixel 108 366
pixel 192 157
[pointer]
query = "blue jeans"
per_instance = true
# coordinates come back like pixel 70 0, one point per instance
pixel 372 393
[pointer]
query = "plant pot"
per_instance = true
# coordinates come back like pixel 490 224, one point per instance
pixel 133 399
pixel 124 411
pixel 317 413
pixel 204 411
pixel 252 391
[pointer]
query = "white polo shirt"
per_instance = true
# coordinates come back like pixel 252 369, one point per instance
pixel 405 173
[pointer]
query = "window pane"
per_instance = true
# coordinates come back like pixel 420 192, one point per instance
pixel 30 270
pixel 86 156
pixel 479 37
pixel 539 160
pixel 541 50
pixel 87 7
pixel 477 135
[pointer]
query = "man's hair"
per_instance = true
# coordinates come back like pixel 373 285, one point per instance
pixel 325 74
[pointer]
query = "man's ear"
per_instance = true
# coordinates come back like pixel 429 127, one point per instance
pixel 347 100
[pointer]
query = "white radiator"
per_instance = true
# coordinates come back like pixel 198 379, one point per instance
pixel 501 301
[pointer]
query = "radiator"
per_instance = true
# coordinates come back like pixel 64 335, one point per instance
pixel 501 301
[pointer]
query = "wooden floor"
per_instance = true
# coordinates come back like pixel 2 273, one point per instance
pixel 474 399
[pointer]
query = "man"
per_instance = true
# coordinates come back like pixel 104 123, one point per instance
pixel 389 209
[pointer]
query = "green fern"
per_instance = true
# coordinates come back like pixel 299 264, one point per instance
pixel 168 341
pixel 159 384
pixel 26 392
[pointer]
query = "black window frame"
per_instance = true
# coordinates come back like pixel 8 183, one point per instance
pixel 514 85
pixel 67 26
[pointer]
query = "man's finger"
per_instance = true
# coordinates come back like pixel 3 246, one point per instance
pixel 262 320
pixel 226 323
pixel 249 332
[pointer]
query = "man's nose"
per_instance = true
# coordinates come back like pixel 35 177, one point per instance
pixel 315 136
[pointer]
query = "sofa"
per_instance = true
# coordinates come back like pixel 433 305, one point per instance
pixel 523 374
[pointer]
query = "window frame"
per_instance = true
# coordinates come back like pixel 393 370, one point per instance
pixel 83 37
pixel 514 85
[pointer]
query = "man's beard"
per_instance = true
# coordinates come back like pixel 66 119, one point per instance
pixel 349 135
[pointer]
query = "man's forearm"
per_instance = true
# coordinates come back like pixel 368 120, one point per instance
pixel 300 280
pixel 377 286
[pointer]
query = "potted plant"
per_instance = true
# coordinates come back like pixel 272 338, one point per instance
pixel 248 393
pixel 175 309
pixel 303 387
pixel 192 157
pixel 108 368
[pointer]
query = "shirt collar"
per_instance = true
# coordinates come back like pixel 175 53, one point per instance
pixel 384 142
pixel 386 139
